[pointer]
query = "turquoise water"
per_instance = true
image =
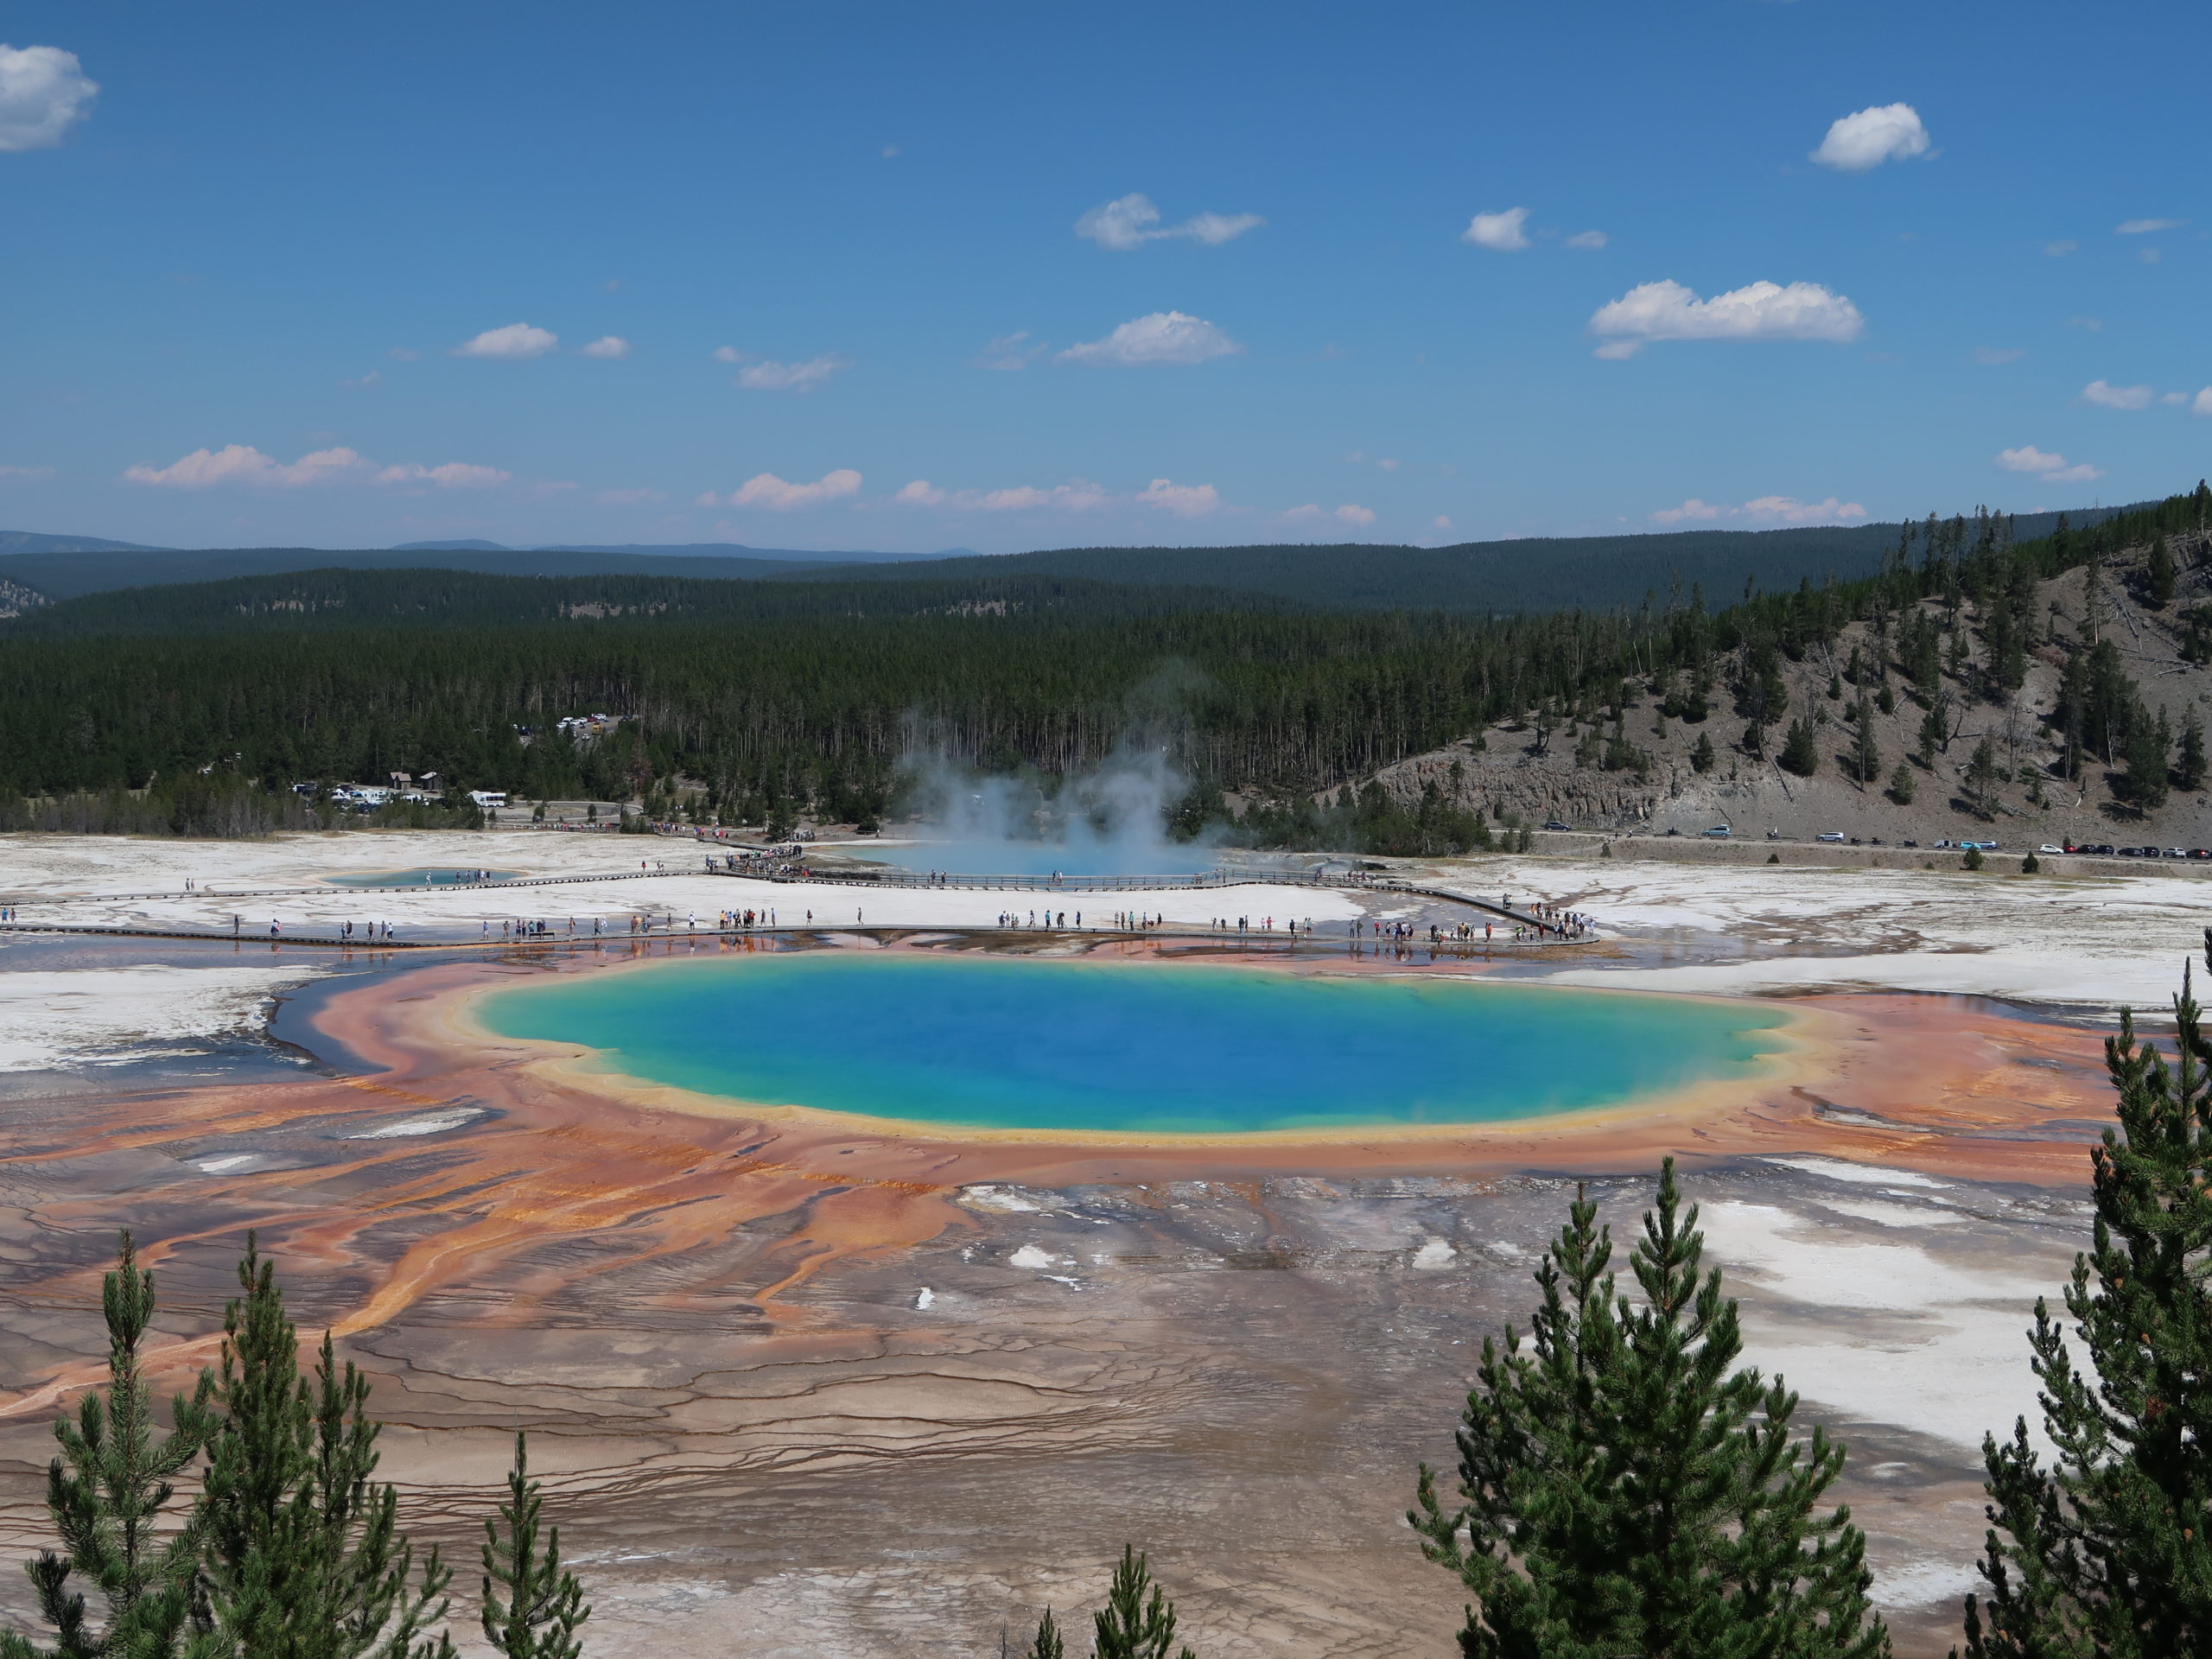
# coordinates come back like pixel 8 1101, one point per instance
pixel 1004 1043
pixel 422 878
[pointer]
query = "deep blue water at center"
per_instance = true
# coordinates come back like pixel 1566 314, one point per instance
pixel 996 1042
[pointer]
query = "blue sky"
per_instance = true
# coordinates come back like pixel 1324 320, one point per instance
pixel 321 275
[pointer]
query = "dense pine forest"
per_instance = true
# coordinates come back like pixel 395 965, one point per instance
pixel 787 696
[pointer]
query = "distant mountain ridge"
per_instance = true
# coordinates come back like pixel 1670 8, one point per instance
pixel 685 550
pixel 29 541
pixel 1528 575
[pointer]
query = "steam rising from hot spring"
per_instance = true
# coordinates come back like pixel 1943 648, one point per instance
pixel 1111 820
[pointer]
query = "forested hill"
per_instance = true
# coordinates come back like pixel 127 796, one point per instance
pixel 811 708
pixel 325 600
pixel 1594 573
pixel 66 575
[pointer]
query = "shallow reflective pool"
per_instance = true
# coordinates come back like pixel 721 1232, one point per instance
pixel 996 1042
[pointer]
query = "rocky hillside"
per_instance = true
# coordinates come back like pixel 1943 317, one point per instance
pixel 1656 761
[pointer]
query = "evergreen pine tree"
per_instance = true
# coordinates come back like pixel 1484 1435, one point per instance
pixel 2147 748
pixel 1982 773
pixel 105 1493
pixel 2158 576
pixel 1625 1491
pixel 1865 750
pixel 544 1603
pixel 1048 1644
pixel 1935 732
pixel 2106 1554
pixel 1800 754
pixel 1138 1621
pixel 301 1557
pixel 1701 753
pixel 2189 764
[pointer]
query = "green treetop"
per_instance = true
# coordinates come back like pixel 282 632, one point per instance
pixel 2103 1552
pixel 301 1557
pixel 1625 1490
pixel 105 1493
pixel 544 1603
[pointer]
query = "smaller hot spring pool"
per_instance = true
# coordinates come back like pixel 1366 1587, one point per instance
pixel 440 877
pixel 1135 1048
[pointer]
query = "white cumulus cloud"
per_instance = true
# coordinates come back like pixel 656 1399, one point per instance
pixel 516 340
pixel 1350 512
pixel 1499 232
pixel 1188 500
pixel 2107 396
pixel 1667 310
pixel 727 354
pixel 1866 138
pixel 1589 239
pixel 1078 496
pixel 1130 221
pixel 2052 469
pixel 608 346
pixel 1010 353
pixel 1214 229
pixel 2202 402
pixel 1164 337
pixel 241 463
pixel 767 490
pixel 450 475
pixel 43 92
pixel 2144 226
pixel 790 377
pixel 1765 509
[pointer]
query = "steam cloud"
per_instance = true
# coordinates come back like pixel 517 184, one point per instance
pixel 1110 820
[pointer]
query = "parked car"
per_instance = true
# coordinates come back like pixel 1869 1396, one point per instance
pixel 1719 832
pixel 1553 823
pixel 1829 835
pixel 1944 844
pixel 2177 852
pixel 2048 847
pixel 2200 851
pixel 1977 846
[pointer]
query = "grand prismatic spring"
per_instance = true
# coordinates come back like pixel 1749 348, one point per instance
pixel 997 1043
pixel 930 1220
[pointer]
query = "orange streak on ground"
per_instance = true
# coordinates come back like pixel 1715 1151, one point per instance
pixel 1941 1085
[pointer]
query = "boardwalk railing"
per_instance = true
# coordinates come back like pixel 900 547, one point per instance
pixel 963 881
